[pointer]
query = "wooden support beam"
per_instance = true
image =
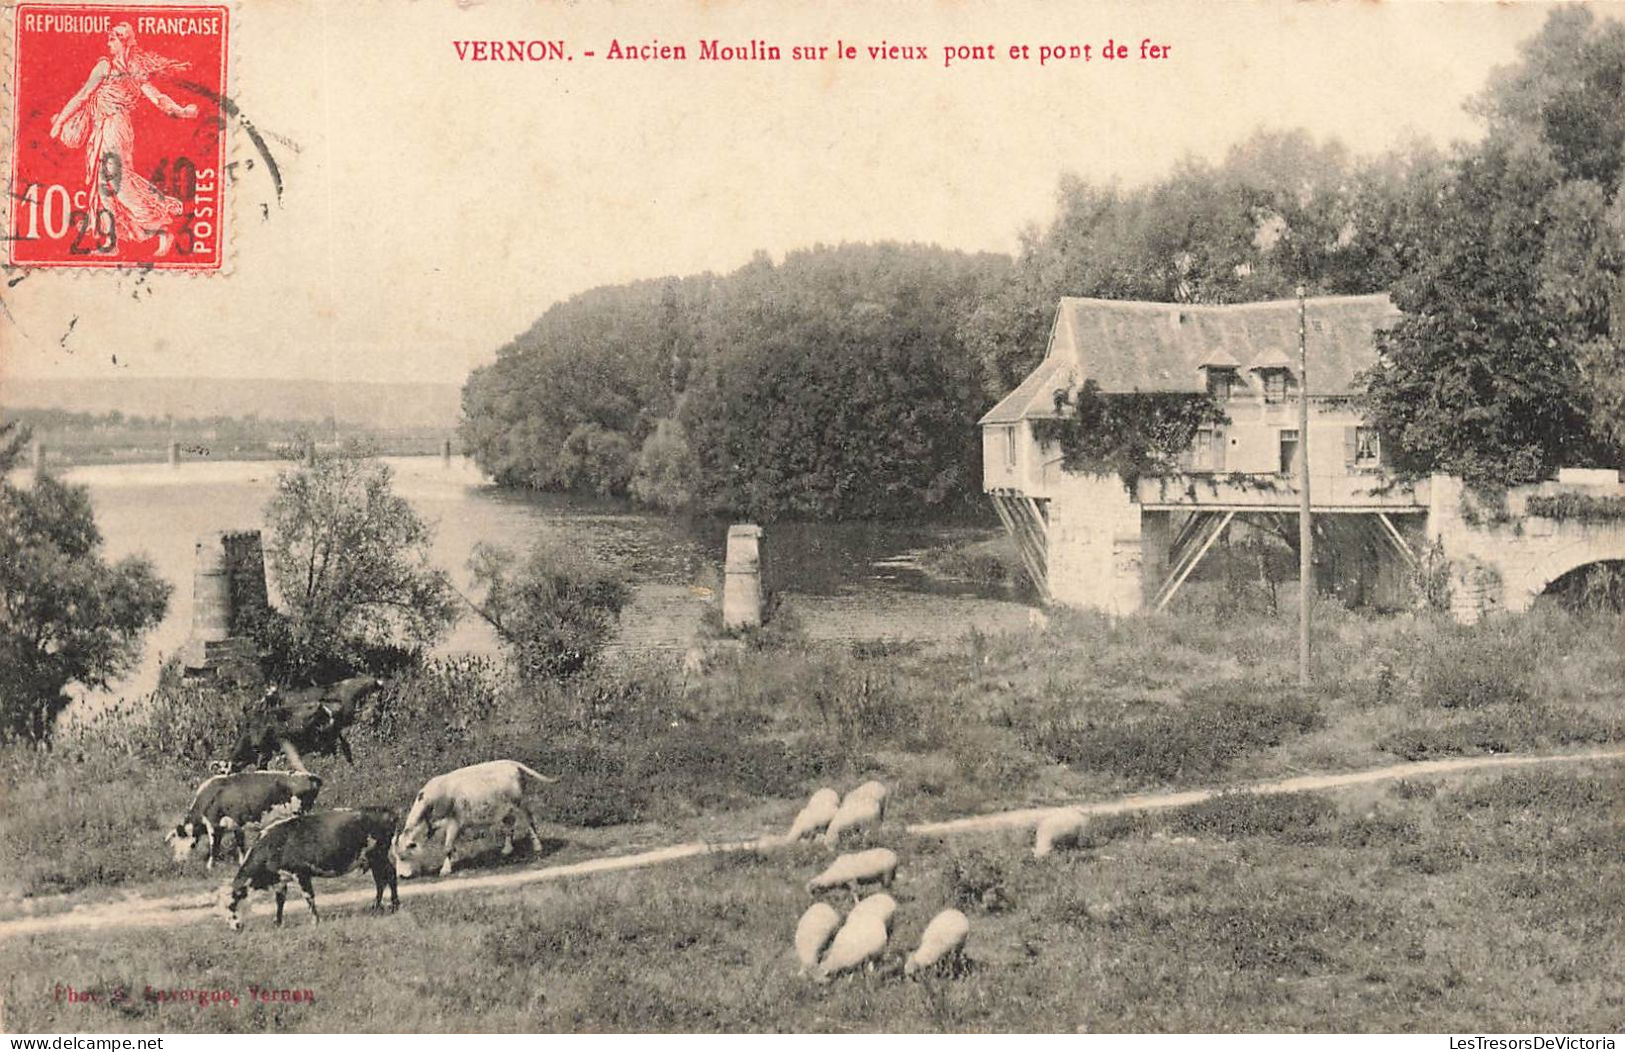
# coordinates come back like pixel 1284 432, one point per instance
pixel 1172 586
pixel 1178 560
pixel 1011 513
pixel 1038 531
pixel 1399 540
pixel 1187 530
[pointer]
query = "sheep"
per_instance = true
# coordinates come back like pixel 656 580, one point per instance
pixel 862 939
pixel 943 940
pixel 859 810
pixel 861 867
pixel 1061 829
pixel 814 931
pixel 814 818
pixel 875 791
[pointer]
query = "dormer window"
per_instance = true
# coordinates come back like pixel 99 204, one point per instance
pixel 1274 371
pixel 1222 382
pixel 1221 374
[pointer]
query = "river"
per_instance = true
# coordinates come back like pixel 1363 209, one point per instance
pixel 844 581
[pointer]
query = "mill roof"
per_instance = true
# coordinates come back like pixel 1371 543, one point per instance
pixel 1126 345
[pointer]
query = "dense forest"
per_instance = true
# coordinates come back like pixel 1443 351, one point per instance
pixel 834 384
pixel 845 381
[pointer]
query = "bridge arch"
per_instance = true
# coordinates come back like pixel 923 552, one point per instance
pixel 1605 546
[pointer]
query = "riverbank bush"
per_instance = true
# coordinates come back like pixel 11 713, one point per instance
pixel 989 562
pixel 554 611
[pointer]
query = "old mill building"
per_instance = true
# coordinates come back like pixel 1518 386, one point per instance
pixel 1090 541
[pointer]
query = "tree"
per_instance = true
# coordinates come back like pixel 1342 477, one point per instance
pixel 836 385
pixel 67 615
pixel 1280 209
pixel 350 560
pixel 664 477
pixel 1507 361
pixel 596 460
pixel 554 612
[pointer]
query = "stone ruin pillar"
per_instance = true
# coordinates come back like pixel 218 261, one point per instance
pixel 228 591
pixel 742 584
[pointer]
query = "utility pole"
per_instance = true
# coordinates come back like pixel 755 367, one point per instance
pixel 1306 583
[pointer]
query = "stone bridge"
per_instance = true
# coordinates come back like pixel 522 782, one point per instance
pixel 1088 542
pixel 1502 557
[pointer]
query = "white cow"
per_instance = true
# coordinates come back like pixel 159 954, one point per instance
pixel 481 794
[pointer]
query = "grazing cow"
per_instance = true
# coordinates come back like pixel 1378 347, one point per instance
pixel 481 794
pixel 227 803
pixel 319 844
pixel 306 720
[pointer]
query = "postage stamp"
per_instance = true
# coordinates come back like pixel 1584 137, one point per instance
pixel 118 151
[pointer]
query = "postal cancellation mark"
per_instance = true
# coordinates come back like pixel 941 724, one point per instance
pixel 118 152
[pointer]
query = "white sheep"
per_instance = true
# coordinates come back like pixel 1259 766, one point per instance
pixel 1061 829
pixel 875 791
pixel 860 867
pixel 814 818
pixel 857 811
pixel 814 931
pixel 942 940
pixel 862 939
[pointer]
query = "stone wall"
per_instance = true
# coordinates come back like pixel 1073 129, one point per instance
pixel 1099 544
pixel 1502 557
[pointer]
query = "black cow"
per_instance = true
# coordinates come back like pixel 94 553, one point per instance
pixel 319 844
pixel 227 803
pixel 312 719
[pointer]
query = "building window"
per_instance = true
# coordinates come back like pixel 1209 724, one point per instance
pixel 1010 446
pixel 1367 447
pixel 1221 383
pixel 1275 385
pixel 1202 450
pixel 1289 451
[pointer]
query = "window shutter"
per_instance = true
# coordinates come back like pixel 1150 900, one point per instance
pixel 1220 441
pixel 1351 446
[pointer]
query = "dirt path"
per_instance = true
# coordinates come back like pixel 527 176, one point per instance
pixel 180 910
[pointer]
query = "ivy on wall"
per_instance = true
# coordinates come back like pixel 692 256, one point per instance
pixel 1578 507
pixel 1130 435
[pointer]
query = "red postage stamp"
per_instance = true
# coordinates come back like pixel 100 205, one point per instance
pixel 118 156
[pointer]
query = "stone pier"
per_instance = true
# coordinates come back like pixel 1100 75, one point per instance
pixel 742 583
pixel 1100 543
pixel 228 592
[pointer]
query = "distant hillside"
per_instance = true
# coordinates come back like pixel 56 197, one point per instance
pixel 366 406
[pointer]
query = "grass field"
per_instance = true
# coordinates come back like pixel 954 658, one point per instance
pixel 1483 903
pixel 1494 903
pixel 1089 708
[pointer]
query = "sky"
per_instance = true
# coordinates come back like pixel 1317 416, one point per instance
pixel 431 207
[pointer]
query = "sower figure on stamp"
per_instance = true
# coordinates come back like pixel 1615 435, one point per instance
pixel 99 118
